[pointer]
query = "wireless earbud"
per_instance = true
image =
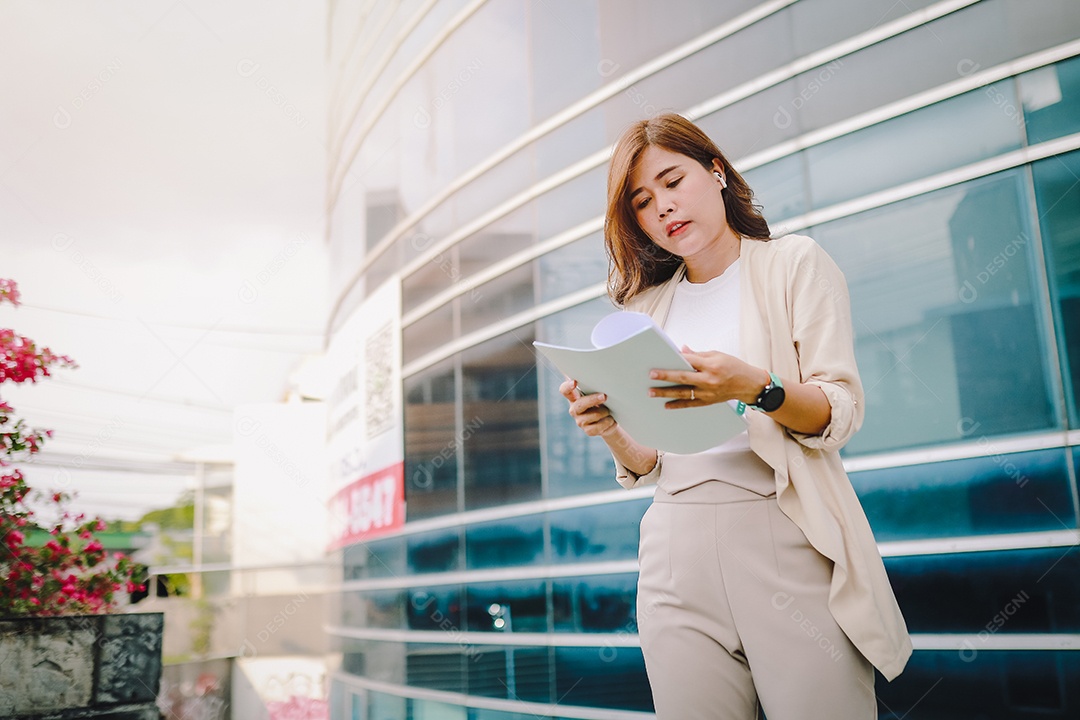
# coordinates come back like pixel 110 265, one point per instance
pixel 723 183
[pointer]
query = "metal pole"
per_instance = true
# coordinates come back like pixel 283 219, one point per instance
pixel 197 531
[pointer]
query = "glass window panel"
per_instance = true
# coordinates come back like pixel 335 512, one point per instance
pixel 508 672
pixel 431 442
pixel 572 267
pixel 435 551
pixel 602 677
pixel 428 334
pixel 753 124
pixel 1051 100
pixel 485 58
pixel 500 432
pixel 505 296
pixel 436 17
pixel 381 270
pixel 532 676
pixel 353 658
pixel 936 138
pixel 604 603
pixel 1001 493
pixel 597 532
pixel 515 606
pixel 506 236
pixel 423 236
pixel 382 706
pixel 1011 591
pixel 383 210
pixel 437 667
pixel 374 609
pixel 1057 196
pixel 435 710
pixel 984 685
pixel 572 203
pixel 498 39
pixel 374 558
pixel 564 43
pixel 816 24
pixel 431 278
pixel 490 671
pixel 780 188
pixel 495 186
pixel 947 333
pixel 575 462
pixel 505 543
pixel 438 608
pixel 375 168
pixel 986 33
pixel 345 228
pixel 352 299
pixel 632 31
pixel 570 142
pixel 728 64
pixel 356 703
pixel 374 660
pixel 479 714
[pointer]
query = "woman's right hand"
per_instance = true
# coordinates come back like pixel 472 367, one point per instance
pixel 593 416
pixel 589 412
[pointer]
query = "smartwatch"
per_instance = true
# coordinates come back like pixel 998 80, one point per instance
pixel 772 397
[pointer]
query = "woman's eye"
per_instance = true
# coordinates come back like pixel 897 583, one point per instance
pixel 674 182
pixel 642 203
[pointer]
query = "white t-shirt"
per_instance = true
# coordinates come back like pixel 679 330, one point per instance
pixel 705 316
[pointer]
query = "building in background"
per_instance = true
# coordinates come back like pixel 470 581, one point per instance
pixel 488 558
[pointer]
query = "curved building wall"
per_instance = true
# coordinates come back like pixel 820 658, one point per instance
pixel 932 148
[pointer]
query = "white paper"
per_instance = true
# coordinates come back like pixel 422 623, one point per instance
pixel 627 346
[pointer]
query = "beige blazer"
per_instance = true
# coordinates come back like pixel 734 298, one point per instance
pixel 795 320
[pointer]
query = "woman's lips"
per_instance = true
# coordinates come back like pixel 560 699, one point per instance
pixel 677 228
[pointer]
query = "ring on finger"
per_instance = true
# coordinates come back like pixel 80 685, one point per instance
pixel 691 393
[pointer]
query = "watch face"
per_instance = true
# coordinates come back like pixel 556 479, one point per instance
pixel 772 398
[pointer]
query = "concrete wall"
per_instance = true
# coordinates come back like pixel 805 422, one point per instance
pixel 90 666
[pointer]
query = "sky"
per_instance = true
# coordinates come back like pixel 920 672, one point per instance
pixel 162 208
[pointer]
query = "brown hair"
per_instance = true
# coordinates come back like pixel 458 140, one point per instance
pixel 635 262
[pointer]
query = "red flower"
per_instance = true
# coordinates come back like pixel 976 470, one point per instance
pixel 9 291
pixel 69 573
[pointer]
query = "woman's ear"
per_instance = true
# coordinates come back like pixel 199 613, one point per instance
pixel 718 171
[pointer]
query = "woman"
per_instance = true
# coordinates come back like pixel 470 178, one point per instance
pixel 761 586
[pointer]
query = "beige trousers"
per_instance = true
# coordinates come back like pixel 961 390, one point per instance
pixel 732 612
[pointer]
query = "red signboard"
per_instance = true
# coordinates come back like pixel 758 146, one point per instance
pixel 368 507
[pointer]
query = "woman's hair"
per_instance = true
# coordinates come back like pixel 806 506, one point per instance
pixel 636 263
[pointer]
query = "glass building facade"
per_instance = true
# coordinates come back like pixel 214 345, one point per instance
pixel 932 148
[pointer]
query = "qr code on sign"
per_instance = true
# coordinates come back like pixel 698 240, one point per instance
pixel 378 360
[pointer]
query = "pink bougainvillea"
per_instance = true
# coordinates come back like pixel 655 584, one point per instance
pixel 71 573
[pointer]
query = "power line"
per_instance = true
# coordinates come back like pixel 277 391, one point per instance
pixel 128 393
pixel 69 437
pixel 164 466
pixel 184 326
pixel 162 429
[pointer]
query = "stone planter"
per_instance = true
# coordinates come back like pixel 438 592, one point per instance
pixel 83 666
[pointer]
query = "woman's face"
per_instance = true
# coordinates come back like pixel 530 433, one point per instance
pixel 677 202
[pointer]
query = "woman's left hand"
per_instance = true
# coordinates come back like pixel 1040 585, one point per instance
pixel 716 377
